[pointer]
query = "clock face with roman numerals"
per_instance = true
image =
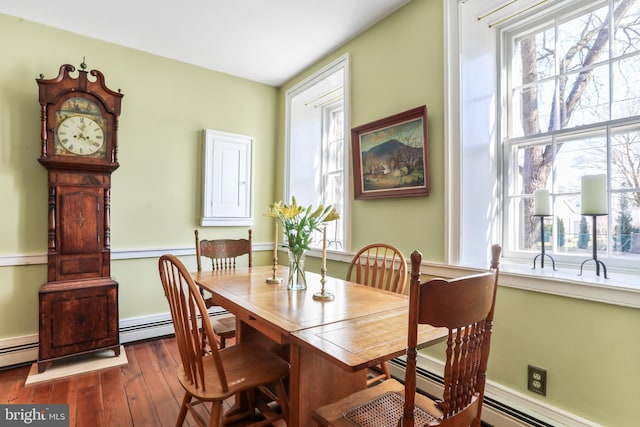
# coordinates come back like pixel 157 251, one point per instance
pixel 80 135
pixel 80 128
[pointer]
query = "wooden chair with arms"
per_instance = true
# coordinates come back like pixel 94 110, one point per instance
pixel 215 376
pixel 222 253
pixel 465 307
pixel 375 265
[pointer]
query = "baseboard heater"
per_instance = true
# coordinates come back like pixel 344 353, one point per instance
pixel 23 350
pixel 515 417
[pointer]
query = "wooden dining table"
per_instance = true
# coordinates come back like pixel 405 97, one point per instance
pixel 329 344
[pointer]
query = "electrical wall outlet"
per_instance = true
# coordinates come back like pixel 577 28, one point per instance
pixel 537 380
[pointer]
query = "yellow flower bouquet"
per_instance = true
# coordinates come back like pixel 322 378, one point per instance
pixel 298 224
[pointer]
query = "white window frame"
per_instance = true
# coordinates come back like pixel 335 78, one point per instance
pixel 508 34
pixel 341 63
pixel 472 123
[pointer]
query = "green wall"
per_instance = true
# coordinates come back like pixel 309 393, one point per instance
pixel 156 192
pixel 396 66
pixel 590 350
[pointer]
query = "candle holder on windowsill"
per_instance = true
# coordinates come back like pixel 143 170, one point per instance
pixel 274 280
pixel 542 254
pixel 594 257
pixel 323 295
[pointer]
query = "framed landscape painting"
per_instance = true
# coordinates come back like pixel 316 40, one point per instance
pixel 391 156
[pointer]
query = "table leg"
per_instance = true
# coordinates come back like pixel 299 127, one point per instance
pixel 247 334
pixel 315 381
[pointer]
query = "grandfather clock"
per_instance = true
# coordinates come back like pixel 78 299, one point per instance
pixel 78 305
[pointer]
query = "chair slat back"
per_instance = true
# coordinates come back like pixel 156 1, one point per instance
pixel 375 265
pixel 187 311
pixel 465 307
pixel 223 252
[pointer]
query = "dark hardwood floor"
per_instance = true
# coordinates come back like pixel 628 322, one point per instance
pixel 145 392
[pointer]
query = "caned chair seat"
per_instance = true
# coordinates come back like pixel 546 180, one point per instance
pixel 380 406
pixel 465 307
pixel 381 266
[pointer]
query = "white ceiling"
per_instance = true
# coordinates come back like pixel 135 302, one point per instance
pixel 268 41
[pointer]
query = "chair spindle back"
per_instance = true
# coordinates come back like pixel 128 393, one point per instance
pixel 187 309
pixel 375 265
pixel 465 307
pixel 223 252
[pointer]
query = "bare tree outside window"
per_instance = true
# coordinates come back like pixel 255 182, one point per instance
pixel 575 110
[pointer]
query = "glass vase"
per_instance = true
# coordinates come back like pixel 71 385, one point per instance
pixel 297 280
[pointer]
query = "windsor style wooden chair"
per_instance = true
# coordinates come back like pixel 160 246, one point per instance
pixel 218 374
pixel 381 266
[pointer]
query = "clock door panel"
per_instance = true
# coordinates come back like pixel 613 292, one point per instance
pixel 80 229
pixel 78 317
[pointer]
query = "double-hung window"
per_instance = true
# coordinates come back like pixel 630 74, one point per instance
pixel 572 108
pixel 316 162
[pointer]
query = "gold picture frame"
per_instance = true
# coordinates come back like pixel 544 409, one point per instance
pixel 391 156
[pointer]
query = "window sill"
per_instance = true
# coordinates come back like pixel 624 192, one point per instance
pixel 620 289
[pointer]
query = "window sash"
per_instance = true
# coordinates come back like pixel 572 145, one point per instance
pixel 602 127
pixel 316 161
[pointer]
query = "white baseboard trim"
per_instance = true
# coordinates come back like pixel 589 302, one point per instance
pixel 18 350
pixel 146 327
pixel 503 407
pixel 24 349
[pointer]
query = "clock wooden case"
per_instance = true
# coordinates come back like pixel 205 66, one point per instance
pixel 78 305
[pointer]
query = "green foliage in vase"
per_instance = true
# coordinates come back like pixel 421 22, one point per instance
pixel 299 222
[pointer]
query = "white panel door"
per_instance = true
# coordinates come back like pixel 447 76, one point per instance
pixel 228 179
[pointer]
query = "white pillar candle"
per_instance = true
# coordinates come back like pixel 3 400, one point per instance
pixel 541 202
pixel 593 199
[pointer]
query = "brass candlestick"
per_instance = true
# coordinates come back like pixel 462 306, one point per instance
pixel 274 280
pixel 323 295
